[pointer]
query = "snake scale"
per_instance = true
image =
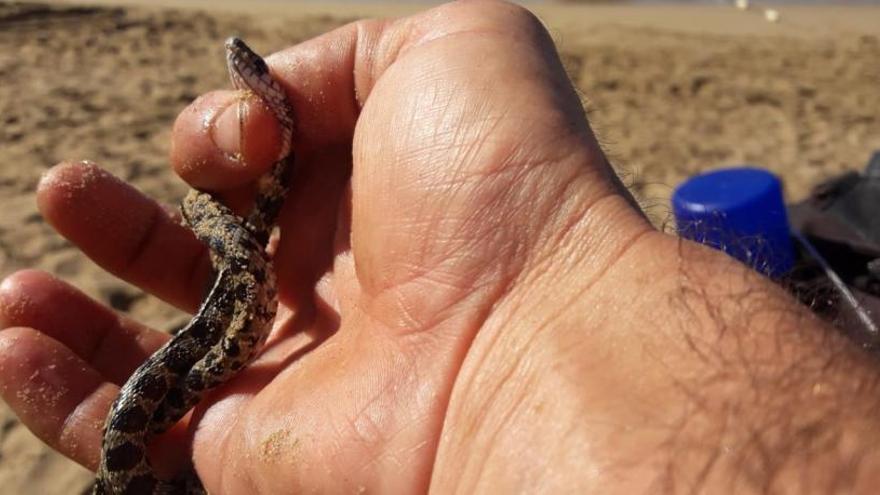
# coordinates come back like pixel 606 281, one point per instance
pixel 230 326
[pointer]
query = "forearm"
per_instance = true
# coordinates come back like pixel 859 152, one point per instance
pixel 676 370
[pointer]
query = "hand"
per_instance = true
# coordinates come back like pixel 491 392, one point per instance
pixel 466 289
pixel 426 186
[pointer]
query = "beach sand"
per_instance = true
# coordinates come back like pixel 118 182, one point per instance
pixel 671 91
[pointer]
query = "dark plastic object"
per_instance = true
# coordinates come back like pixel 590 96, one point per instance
pixel 839 227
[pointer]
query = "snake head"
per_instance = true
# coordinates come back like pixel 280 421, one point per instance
pixel 248 69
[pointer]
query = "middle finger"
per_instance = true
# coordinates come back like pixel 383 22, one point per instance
pixel 111 344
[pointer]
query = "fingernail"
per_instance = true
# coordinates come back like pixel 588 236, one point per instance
pixel 226 131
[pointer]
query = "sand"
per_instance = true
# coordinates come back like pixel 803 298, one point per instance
pixel 671 91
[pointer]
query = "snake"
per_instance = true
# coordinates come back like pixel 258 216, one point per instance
pixel 231 324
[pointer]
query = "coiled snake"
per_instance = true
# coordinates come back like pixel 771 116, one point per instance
pixel 230 326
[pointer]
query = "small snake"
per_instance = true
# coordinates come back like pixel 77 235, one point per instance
pixel 230 326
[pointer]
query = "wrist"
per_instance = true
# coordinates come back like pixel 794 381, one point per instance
pixel 666 364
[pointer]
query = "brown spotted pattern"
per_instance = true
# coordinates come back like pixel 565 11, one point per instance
pixel 230 326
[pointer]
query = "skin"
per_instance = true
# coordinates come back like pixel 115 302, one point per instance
pixel 471 302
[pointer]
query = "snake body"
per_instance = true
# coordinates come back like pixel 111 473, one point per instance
pixel 230 326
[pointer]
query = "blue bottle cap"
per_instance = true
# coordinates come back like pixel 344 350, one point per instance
pixel 739 211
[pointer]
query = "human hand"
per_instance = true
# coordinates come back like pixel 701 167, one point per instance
pixel 469 299
pixel 426 186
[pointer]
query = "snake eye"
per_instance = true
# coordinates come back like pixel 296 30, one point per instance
pixel 233 42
